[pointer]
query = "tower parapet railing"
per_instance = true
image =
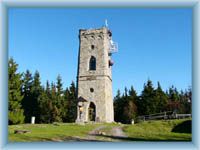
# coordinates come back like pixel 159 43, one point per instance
pixel 113 47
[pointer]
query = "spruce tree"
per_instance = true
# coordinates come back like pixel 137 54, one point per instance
pixel 59 86
pixel 44 109
pixel 188 104
pixel 47 103
pixel 48 89
pixel 133 102
pixel 129 105
pixel 15 111
pixel 161 99
pixel 173 94
pixel 118 109
pixel 59 100
pixel 185 102
pixel 72 104
pixel 125 108
pixel 65 107
pixel 36 91
pixel 174 100
pixel 147 102
pixel 53 102
pixel 27 85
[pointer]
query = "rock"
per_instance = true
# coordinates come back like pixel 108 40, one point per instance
pixel 56 124
pixel 21 131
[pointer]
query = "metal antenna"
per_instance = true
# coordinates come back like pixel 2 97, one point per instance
pixel 106 23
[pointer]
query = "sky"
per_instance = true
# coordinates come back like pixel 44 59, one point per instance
pixel 153 44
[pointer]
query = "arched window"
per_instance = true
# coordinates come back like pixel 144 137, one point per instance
pixel 92 112
pixel 92 65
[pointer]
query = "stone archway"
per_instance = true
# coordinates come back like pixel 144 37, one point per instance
pixel 91 112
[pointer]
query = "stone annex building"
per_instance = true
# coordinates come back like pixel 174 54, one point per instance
pixel 94 79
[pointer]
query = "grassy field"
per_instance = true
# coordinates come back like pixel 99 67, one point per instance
pixel 169 130
pixel 49 132
pixel 144 131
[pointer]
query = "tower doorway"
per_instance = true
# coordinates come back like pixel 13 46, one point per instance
pixel 92 112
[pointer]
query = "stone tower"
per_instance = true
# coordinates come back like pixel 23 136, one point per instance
pixel 94 80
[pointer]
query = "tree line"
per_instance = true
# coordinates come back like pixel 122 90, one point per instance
pixel 48 104
pixel 51 103
pixel 129 105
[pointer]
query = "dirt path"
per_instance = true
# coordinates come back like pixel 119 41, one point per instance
pixel 101 134
pixel 118 132
pixel 115 134
pixel 92 134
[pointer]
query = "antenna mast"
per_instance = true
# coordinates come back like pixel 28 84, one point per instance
pixel 113 48
pixel 106 23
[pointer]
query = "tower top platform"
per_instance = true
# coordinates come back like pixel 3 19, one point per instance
pixel 103 30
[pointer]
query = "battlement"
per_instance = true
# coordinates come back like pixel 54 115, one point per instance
pixel 103 30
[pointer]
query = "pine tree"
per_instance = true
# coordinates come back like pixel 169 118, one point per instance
pixel 36 91
pixel 185 102
pixel 27 85
pixel 45 105
pixel 125 92
pixel 53 93
pixel 53 102
pixel 15 111
pixel 147 100
pixel 129 105
pixel 59 100
pixel 132 93
pixel 48 104
pixel 118 107
pixel 72 104
pixel 48 89
pixel 59 94
pixel 59 86
pixel 174 100
pixel 44 109
pixel 161 99
pixel 133 102
pixel 173 94
pixel 125 108
pixel 188 104
pixel 65 105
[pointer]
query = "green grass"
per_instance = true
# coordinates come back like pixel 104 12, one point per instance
pixel 49 132
pixel 157 131
pixel 144 131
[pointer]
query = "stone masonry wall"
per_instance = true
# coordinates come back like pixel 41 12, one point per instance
pixel 100 79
